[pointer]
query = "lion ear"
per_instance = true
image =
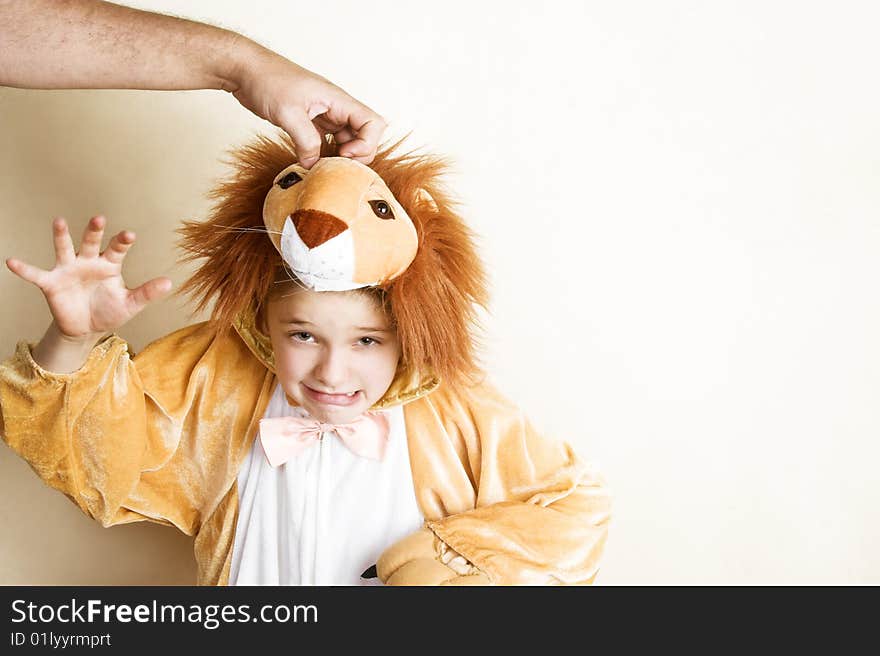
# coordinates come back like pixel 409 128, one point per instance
pixel 423 196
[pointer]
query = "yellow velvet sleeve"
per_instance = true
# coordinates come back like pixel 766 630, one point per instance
pixel 520 508
pixel 132 438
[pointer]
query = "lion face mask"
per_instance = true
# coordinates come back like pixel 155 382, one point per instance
pixel 338 226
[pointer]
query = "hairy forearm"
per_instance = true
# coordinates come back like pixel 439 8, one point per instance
pixel 60 354
pixel 79 44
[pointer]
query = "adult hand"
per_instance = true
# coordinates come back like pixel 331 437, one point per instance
pixel 306 106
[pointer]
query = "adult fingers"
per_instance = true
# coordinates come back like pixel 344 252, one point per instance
pixel 64 253
pixel 341 133
pixel 369 127
pixel 343 136
pixel 305 136
pixel 91 241
pixel 149 291
pixel 118 246
pixel 28 272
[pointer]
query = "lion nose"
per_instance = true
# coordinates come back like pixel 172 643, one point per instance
pixel 315 227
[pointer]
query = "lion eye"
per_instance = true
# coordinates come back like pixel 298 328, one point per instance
pixel 381 209
pixel 289 180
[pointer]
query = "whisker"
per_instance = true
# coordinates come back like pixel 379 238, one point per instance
pixel 248 229
pixel 291 278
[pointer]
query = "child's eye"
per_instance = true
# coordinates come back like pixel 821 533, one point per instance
pixel 301 336
pixel 367 341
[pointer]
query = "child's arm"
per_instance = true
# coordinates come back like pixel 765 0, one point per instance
pixel 127 438
pixel 85 293
pixel 517 507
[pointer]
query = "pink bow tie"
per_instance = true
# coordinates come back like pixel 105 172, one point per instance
pixel 284 438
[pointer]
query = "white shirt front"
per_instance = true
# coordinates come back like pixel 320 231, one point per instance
pixel 325 516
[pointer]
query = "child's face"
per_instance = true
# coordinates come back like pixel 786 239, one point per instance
pixel 335 352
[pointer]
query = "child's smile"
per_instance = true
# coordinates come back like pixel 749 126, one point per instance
pixel 332 399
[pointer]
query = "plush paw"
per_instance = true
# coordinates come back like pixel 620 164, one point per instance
pixel 414 546
pixel 421 571
pixel 421 558
pixel 478 578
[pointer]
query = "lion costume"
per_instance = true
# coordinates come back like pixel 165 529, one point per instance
pixel 165 435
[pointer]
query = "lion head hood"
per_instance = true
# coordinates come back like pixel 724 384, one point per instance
pixel 338 226
pixel 343 225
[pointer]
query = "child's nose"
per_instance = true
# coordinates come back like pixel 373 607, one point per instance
pixel 331 371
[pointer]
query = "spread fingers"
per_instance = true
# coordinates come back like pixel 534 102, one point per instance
pixel 91 241
pixel 149 291
pixel 28 272
pixel 118 246
pixel 64 253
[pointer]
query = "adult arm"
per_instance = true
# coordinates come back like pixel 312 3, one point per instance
pixel 90 44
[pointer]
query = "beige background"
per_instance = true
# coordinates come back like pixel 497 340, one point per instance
pixel 679 206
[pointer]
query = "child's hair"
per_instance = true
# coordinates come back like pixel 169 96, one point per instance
pixel 432 304
pixel 285 283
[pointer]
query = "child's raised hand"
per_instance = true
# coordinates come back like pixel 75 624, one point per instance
pixel 85 291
